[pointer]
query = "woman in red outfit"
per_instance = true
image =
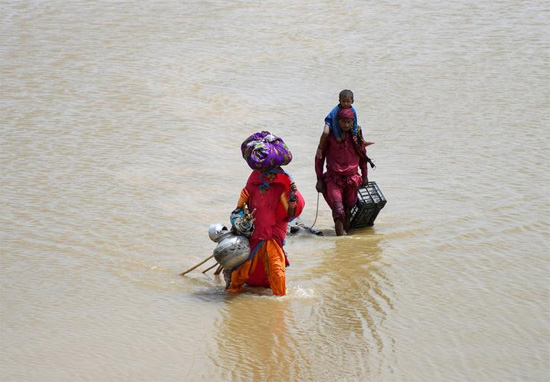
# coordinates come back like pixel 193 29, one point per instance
pixel 276 201
pixel 339 184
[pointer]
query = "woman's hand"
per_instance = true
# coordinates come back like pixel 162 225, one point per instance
pixel 293 187
pixel 320 186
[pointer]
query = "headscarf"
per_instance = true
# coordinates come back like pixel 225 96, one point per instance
pixel 264 180
pixel 346 114
pixel 332 121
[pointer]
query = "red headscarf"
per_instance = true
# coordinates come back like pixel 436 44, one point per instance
pixel 346 114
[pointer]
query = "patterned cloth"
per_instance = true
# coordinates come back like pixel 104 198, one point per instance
pixel 264 151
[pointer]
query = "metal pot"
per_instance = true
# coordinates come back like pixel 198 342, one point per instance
pixel 216 231
pixel 232 250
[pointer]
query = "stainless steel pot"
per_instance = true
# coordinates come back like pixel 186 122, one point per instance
pixel 232 250
pixel 216 231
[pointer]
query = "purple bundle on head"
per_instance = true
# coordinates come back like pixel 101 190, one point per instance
pixel 263 151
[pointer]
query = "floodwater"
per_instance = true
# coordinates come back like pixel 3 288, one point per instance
pixel 120 133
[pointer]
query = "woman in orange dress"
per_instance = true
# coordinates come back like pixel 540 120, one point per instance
pixel 276 201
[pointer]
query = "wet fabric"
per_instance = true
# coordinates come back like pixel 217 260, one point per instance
pixel 341 192
pixel 342 178
pixel 263 151
pixel 266 269
pixel 332 121
pixel 342 157
pixel 271 205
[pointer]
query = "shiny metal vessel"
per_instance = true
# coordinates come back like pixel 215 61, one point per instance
pixel 232 250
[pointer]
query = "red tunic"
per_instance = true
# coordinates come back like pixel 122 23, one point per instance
pixel 271 216
pixel 342 178
pixel 341 157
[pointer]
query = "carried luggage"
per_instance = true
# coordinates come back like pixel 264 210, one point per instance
pixel 264 151
pixel 370 201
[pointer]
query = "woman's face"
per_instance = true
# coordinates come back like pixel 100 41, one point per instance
pixel 346 124
pixel 271 176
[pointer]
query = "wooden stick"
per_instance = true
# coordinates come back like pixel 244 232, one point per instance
pixel 206 270
pixel 198 265
pixel 218 271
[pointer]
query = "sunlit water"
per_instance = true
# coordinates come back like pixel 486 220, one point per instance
pixel 121 124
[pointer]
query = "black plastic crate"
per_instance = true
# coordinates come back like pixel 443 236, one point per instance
pixel 370 201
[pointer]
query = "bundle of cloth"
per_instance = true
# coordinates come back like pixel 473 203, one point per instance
pixel 264 151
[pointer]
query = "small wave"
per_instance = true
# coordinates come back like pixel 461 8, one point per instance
pixel 300 292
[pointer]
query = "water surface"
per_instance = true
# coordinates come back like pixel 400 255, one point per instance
pixel 120 132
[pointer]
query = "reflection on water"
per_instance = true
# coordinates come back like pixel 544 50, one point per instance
pixel 356 299
pixel 341 322
pixel 254 342
pixel 359 284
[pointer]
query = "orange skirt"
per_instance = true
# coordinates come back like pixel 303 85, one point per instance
pixel 273 260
